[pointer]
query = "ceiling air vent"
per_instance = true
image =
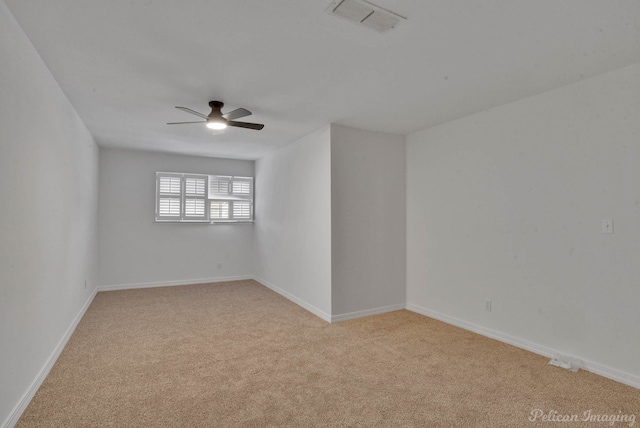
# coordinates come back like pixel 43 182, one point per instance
pixel 365 14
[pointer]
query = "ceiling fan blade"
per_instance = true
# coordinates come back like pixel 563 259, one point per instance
pixel 256 126
pixel 182 123
pixel 237 114
pixel 188 110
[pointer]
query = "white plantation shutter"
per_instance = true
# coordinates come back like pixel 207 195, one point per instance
pixel 218 186
pixel 169 201
pixel 231 198
pixel 203 198
pixel 169 207
pixel 241 187
pixel 194 207
pixel 195 185
pixel 241 210
pixel 170 184
pixel 195 189
pixel 219 210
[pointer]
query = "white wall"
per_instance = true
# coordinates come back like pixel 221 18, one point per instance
pixel 133 250
pixel 507 204
pixel 293 222
pixel 48 192
pixel 368 203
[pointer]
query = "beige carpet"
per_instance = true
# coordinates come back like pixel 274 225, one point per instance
pixel 239 355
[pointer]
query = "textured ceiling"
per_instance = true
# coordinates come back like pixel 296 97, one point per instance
pixel 125 64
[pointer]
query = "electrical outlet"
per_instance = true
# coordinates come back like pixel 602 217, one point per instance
pixel 487 305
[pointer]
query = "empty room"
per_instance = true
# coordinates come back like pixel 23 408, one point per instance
pixel 347 213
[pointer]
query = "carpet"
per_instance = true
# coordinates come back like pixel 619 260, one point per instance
pixel 237 354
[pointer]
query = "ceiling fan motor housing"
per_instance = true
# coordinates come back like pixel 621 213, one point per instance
pixel 215 119
pixel 216 106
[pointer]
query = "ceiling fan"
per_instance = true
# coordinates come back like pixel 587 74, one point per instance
pixel 217 120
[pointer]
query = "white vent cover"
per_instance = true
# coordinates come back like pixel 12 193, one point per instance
pixel 364 13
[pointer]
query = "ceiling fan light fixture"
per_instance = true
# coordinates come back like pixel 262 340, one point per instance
pixel 216 123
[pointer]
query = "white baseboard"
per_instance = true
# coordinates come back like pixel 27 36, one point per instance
pixel 590 366
pixel 44 371
pixel 171 283
pixel 366 312
pixel 612 374
pixel 325 316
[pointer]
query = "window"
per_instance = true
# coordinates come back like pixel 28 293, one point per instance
pixel 203 198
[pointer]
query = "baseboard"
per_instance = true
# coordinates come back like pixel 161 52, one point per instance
pixel 319 313
pixel 325 316
pixel 367 312
pixel 590 366
pixel 171 283
pixel 42 375
pixel 612 374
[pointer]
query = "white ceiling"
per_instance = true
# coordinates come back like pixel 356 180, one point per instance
pixel 125 64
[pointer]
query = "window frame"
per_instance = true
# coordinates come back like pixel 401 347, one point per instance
pixel 231 198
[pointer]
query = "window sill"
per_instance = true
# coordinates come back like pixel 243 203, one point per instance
pixel 204 222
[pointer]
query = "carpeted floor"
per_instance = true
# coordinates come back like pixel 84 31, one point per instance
pixel 239 355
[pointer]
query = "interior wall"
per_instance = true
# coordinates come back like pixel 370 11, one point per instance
pixel 134 250
pixel 48 189
pixel 292 240
pixel 368 263
pixel 507 205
